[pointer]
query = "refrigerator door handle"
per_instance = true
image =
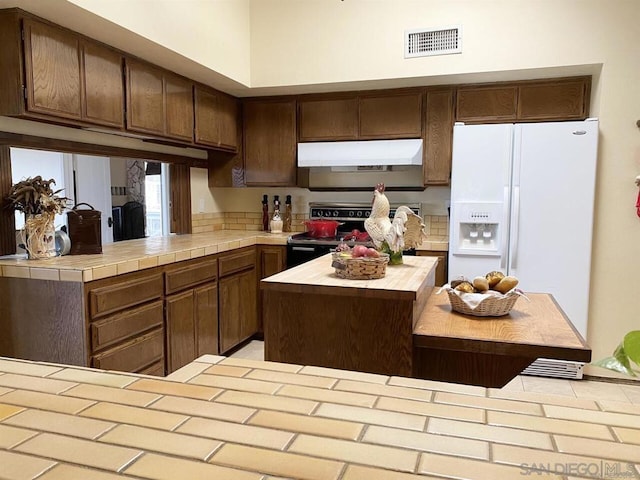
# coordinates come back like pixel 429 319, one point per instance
pixel 515 227
pixel 504 230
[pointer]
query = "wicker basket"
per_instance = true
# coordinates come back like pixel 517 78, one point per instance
pixel 360 268
pixel 491 306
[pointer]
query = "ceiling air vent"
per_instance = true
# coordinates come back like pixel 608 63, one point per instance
pixel 422 43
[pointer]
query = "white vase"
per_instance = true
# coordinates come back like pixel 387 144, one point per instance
pixel 39 236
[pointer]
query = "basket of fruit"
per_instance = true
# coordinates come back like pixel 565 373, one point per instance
pixel 493 295
pixel 359 262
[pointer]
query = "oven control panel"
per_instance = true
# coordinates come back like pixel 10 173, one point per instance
pixel 349 211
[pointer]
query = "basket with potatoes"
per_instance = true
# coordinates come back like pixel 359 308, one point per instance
pixel 492 295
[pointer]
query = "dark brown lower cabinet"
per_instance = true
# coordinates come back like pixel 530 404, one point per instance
pixel 442 271
pixel 206 318
pixel 238 315
pixel 191 325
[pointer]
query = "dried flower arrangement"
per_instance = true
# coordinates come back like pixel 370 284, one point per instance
pixel 40 204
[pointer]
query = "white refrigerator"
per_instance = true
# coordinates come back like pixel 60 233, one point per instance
pixel 522 200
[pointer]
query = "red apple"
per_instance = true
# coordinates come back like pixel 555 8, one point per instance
pixel 359 251
pixel 372 252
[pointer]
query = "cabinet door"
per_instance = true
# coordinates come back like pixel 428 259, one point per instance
pixel 206 110
pixel 441 267
pixel 273 259
pixel 180 328
pixel 238 311
pixel 330 119
pixel 206 318
pixel 270 143
pixel 52 65
pixel 554 100
pixel 216 119
pixel 145 98
pixel 178 107
pixel 391 116
pixel 102 85
pixel 438 137
pixel 487 104
pixel 228 122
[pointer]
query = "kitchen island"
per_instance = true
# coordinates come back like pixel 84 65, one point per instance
pixel 313 317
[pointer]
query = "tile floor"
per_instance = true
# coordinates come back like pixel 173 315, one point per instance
pixel 524 387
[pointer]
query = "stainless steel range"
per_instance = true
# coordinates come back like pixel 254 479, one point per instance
pixel 302 247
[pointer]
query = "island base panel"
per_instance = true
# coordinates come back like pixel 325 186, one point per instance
pixel 42 320
pixel 469 368
pixel 350 333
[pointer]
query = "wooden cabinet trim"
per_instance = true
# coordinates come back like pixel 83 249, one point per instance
pixel 190 275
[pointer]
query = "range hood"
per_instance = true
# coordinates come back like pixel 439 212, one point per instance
pixel 360 153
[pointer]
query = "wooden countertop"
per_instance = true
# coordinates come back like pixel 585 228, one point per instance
pixel 404 281
pixel 536 327
pixel 133 255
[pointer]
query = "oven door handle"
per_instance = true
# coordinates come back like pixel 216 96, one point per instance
pixel 303 249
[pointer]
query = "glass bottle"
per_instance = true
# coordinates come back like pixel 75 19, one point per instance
pixel 286 221
pixel 276 222
pixel 265 213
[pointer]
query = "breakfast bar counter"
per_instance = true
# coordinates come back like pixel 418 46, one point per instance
pixel 490 351
pixel 235 419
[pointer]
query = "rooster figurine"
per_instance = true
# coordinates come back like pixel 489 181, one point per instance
pixel 405 231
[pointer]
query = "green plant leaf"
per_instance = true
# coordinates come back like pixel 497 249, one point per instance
pixel 631 345
pixel 612 363
pixel 621 356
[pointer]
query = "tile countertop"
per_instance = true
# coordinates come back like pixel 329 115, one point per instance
pixel 133 255
pixel 228 418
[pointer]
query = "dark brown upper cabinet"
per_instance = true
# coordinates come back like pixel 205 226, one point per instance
pixel 66 77
pixel 438 139
pixel 389 115
pixel 158 102
pixel 270 142
pixel 328 119
pixel 487 103
pixel 378 115
pixel 102 86
pixel 564 99
pixel 540 100
pixel 216 119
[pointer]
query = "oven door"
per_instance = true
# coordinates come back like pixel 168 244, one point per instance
pixel 298 254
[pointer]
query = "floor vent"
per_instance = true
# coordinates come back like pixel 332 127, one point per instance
pixel 544 367
pixel 423 43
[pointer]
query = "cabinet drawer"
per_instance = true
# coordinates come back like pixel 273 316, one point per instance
pixel 123 294
pixel 110 330
pixel 191 275
pixel 157 369
pixel 133 356
pixel 236 262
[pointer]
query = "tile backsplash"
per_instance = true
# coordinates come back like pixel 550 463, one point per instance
pixel 435 225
